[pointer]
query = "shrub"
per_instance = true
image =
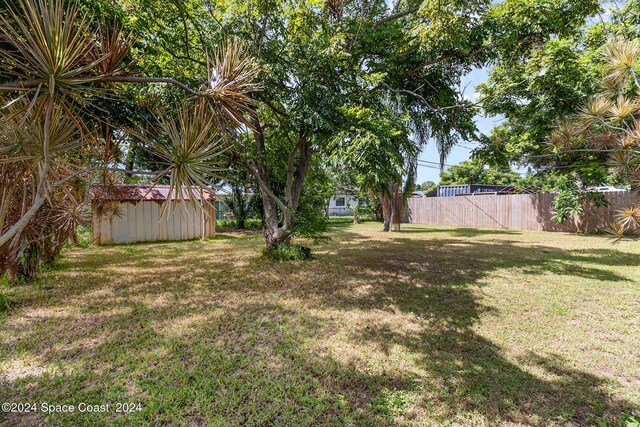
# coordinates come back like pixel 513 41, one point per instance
pixel 289 253
pixel 627 420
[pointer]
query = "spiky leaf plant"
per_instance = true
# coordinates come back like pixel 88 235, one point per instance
pixel 610 122
pixel 191 150
pixel 56 61
pixel 231 77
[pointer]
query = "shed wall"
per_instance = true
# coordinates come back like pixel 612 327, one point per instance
pixel 146 221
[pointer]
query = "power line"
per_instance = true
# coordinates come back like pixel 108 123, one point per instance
pixel 434 163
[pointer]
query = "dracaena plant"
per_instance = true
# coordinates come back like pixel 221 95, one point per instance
pixel 56 62
pixel 610 122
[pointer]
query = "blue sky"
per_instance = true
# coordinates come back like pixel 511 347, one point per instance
pixel 463 151
pixel 484 124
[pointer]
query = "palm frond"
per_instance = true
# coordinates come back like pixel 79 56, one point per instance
pixel 566 136
pixel 48 41
pixel 620 57
pixel 110 50
pixel 602 141
pixel 192 151
pixel 26 141
pixel 626 223
pixel 623 108
pixel 621 160
pixel 231 78
pixel 595 109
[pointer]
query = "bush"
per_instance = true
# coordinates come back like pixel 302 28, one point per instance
pixel 84 237
pixel 631 419
pixel 348 219
pixel 289 253
pixel 571 201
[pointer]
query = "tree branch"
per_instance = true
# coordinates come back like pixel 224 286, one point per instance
pixel 20 85
pixel 133 79
pixel 467 55
pixel 30 84
pixel 291 171
pixel 306 151
pixel 398 15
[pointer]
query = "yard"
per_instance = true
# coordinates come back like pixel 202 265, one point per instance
pixel 424 327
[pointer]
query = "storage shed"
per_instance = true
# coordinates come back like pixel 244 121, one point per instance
pixel 142 214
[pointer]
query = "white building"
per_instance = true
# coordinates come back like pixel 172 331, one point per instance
pixel 341 205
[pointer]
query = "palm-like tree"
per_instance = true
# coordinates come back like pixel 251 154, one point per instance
pixel 610 122
pixel 55 62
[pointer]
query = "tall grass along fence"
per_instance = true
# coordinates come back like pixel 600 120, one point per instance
pixel 515 212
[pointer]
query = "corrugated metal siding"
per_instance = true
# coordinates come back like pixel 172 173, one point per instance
pixel 144 221
pixel 517 212
pixel 453 190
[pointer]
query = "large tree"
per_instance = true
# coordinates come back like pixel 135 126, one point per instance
pixel 326 66
pixel 331 73
pixel 538 92
pixel 608 124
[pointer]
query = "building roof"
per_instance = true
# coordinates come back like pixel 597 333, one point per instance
pixel 158 192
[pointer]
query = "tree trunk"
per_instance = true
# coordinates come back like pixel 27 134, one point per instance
pixel 387 208
pixel 275 233
pixel 278 213
pixel 275 237
pixel 391 204
pixel 240 211
pixel 396 217
pixel 131 158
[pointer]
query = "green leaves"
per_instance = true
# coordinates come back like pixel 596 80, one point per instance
pixel 476 172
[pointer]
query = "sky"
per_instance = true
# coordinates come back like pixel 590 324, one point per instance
pixel 462 151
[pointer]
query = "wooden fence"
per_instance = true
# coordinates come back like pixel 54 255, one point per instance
pixel 516 212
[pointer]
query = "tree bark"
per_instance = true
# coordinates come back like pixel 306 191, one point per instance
pixel 279 214
pixel 39 197
pixel 387 208
pixel 274 231
pixel 391 204
pixel 131 158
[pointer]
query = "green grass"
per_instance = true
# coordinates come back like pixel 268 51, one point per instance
pixel 424 327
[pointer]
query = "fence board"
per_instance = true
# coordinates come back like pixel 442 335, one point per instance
pixel 516 212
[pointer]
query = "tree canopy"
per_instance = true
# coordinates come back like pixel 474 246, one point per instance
pixel 188 90
pixel 476 172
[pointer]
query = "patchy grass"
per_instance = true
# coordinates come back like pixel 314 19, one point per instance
pixel 423 327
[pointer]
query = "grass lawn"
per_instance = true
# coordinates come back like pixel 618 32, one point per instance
pixel 423 327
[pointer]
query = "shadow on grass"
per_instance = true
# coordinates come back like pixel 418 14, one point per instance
pixel 458 231
pixel 203 338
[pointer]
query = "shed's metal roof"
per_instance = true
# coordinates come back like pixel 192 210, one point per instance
pixel 146 192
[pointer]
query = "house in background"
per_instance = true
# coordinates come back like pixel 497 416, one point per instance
pixel 605 188
pixel 223 211
pixel 341 204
